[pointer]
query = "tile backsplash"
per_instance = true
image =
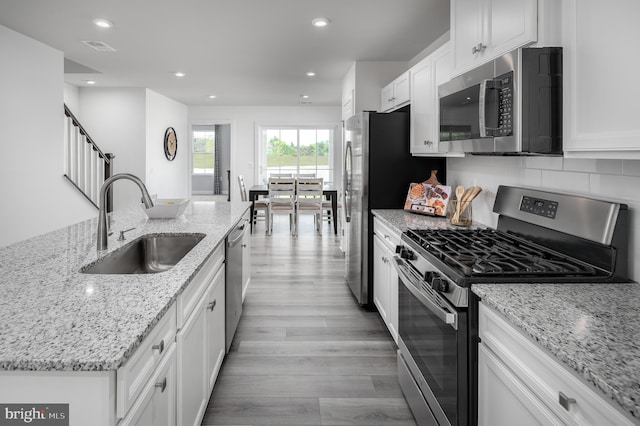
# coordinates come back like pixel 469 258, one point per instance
pixel 617 180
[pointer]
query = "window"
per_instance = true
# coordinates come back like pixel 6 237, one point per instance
pixel 298 150
pixel 203 149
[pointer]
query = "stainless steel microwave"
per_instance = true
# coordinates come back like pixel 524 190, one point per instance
pixel 509 106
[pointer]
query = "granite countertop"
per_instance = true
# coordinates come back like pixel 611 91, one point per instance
pixel 593 329
pixel 54 318
pixel 403 220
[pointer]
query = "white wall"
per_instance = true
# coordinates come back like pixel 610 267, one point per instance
pixel 244 120
pixel 72 98
pixel 167 179
pixel 617 180
pixel 35 196
pixel 115 119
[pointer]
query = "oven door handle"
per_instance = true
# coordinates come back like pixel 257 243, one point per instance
pixel 412 282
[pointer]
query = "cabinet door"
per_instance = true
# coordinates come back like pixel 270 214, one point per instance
pixel 503 400
pixel 193 382
pixel 215 327
pixel 156 405
pixel 401 90
pixel 381 277
pixel 600 108
pixel 509 24
pixel 422 116
pixel 466 33
pixel 386 97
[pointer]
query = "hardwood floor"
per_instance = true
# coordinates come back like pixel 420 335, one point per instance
pixel 305 353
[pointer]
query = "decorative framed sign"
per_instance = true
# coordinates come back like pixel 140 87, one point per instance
pixel 170 143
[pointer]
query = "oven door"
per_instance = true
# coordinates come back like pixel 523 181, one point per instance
pixel 433 348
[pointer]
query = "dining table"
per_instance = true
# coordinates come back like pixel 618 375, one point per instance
pixel 329 191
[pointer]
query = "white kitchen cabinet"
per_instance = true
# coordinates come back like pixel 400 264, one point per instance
pixel 396 94
pixel 600 105
pixel 385 277
pixel 520 383
pixel 215 299
pixel 201 344
pixel 362 83
pixel 426 76
pixel 156 405
pixel 482 30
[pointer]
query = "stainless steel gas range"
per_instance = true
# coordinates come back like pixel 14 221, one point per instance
pixel 540 237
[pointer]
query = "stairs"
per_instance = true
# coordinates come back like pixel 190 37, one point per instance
pixel 86 167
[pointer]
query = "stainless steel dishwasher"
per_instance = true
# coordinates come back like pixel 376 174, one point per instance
pixel 233 289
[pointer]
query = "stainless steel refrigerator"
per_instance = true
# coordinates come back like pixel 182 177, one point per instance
pixel 378 169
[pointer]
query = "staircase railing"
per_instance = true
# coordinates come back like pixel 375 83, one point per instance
pixel 85 165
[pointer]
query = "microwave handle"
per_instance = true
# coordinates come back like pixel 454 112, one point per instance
pixel 482 105
pixel 485 86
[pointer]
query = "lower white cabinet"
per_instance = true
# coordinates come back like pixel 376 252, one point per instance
pixel 201 346
pixel 385 277
pixel 519 383
pixel 156 405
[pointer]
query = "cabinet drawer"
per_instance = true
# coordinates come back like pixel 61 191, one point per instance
pixel 135 373
pixel 190 297
pixel 545 376
pixel 156 405
pixel 390 238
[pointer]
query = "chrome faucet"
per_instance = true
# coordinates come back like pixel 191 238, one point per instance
pixel 102 214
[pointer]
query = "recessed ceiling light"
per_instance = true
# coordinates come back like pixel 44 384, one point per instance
pixel 212 96
pixel 311 74
pixel 320 22
pixel 304 96
pixel 90 82
pixel 179 74
pixel 103 23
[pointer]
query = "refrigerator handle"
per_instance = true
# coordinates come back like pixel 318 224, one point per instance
pixel 346 185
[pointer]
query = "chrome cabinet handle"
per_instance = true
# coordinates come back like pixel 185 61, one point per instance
pixel 565 401
pixel 478 48
pixel 162 385
pixel 159 347
pixel 211 306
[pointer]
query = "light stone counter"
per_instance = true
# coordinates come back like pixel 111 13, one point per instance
pixel 54 318
pixel 593 329
pixel 402 220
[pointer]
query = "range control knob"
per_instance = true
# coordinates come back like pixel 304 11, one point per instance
pixel 439 284
pixel 405 253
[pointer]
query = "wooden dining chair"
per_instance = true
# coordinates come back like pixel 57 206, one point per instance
pixel 260 206
pixel 282 200
pixel 309 199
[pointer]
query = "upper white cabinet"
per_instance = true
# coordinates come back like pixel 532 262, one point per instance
pixel 426 76
pixel 396 94
pixel 362 84
pixel 482 30
pixel 601 108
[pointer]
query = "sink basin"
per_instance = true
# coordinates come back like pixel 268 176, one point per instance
pixel 148 254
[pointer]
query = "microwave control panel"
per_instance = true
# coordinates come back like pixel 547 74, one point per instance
pixel 505 107
pixel 540 207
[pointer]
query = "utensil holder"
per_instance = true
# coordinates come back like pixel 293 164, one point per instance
pixel 460 213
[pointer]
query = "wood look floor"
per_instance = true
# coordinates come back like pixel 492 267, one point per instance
pixel 305 353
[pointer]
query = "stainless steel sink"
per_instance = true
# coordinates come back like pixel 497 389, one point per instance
pixel 148 254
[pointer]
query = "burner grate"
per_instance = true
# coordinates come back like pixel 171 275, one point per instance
pixel 487 252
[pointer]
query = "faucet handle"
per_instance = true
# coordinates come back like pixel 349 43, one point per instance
pixel 121 237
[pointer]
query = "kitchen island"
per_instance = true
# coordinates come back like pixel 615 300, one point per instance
pixel 58 323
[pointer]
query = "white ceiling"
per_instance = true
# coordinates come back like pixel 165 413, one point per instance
pixel 246 52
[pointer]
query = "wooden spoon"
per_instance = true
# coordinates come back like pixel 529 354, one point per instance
pixel 459 195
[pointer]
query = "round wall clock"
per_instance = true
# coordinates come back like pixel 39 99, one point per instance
pixel 170 143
